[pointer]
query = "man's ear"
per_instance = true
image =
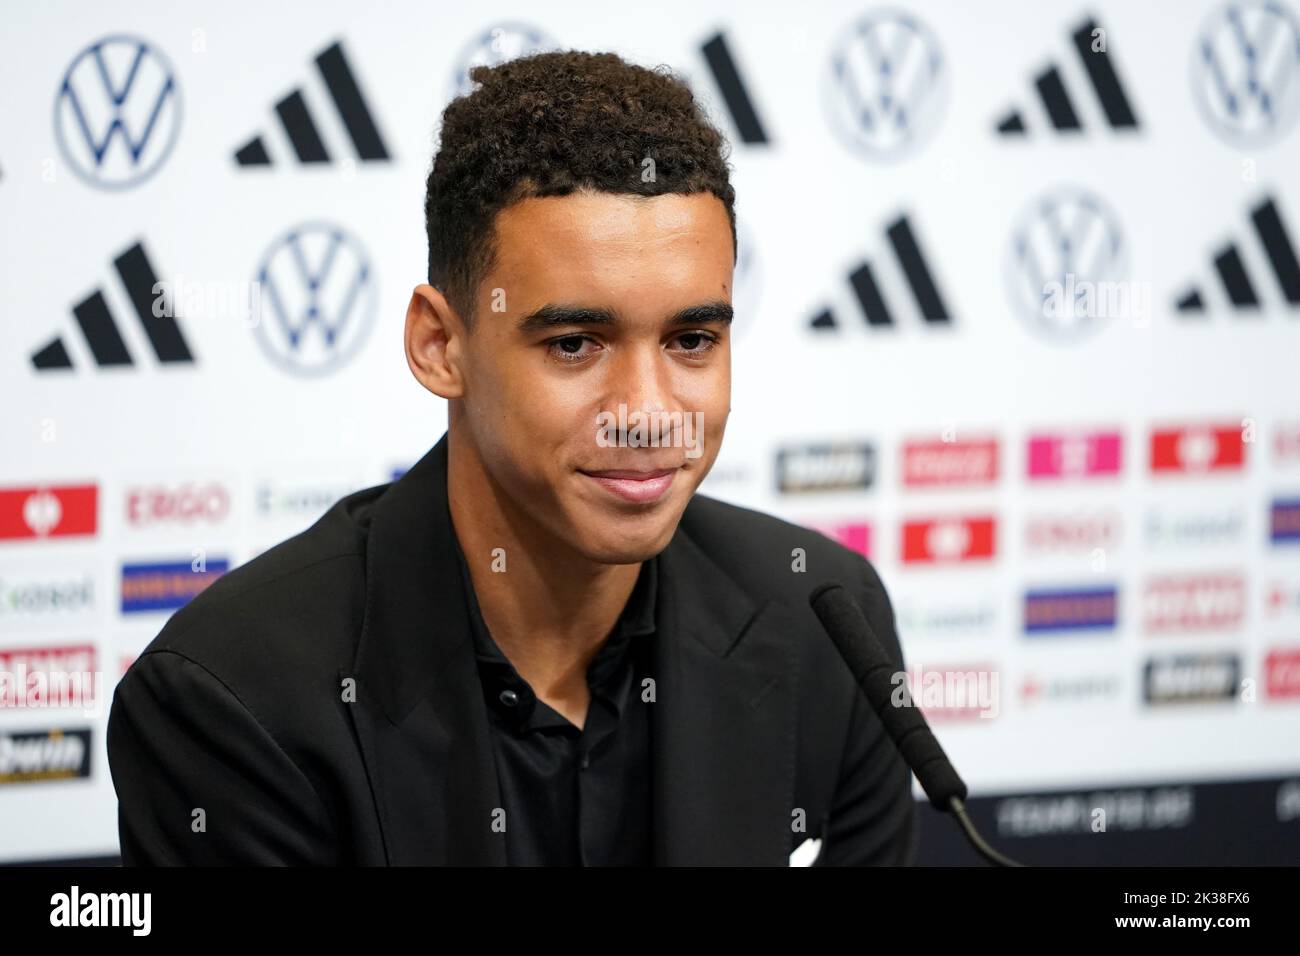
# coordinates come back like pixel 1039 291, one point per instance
pixel 434 340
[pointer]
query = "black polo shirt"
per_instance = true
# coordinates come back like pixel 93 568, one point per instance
pixel 575 796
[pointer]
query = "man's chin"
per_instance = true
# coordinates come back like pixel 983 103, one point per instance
pixel 601 547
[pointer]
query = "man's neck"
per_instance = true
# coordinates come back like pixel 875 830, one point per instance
pixel 550 609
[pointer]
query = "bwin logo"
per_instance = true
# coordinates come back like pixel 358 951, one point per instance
pixel 1067 240
pixel 1246 71
pixel 318 299
pixel 117 114
pixel 886 85
pixel 497 44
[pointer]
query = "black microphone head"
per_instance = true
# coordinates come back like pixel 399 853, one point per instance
pixel 844 621
pixel 878 675
pixel 822 589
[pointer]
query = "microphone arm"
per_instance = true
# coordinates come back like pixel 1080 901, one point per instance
pixel 874 672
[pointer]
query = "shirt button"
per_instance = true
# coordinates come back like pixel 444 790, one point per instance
pixel 509 697
pixel 586 761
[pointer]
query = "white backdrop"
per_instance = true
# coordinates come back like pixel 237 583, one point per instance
pixel 219 457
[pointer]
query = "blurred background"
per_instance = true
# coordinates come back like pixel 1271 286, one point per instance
pixel 1018 318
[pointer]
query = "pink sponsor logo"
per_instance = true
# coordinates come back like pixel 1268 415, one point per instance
pixel 1079 455
pixel 854 535
pixel 1282 673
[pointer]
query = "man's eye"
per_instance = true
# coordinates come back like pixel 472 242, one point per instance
pixel 569 348
pixel 697 342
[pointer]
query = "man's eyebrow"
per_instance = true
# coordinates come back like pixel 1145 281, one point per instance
pixel 552 315
pixel 718 311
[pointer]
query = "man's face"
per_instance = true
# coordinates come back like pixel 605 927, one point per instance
pixel 603 312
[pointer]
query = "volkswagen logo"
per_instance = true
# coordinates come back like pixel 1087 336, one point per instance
pixel 497 44
pixel 317 299
pixel 1066 253
pixel 886 85
pixel 1246 70
pixel 118 112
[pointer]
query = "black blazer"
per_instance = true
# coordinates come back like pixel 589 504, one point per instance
pixel 233 738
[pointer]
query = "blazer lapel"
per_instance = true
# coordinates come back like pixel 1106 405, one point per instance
pixel 724 719
pixel 419 714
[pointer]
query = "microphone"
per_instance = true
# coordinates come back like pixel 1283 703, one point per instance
pixel 874 672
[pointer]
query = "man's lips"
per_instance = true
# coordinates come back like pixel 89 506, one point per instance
pixel 640 487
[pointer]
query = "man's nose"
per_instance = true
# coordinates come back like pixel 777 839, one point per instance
pixel 642 380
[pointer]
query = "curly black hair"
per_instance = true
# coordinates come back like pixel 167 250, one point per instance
pixel 551 124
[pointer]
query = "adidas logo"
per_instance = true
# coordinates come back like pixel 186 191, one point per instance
pixel 301 130
pixel 717 56
pixel 103 338
pixel 866 284
pixel 1240 290
pixel 1090 44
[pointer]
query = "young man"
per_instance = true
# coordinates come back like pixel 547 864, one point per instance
pixel 539 645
